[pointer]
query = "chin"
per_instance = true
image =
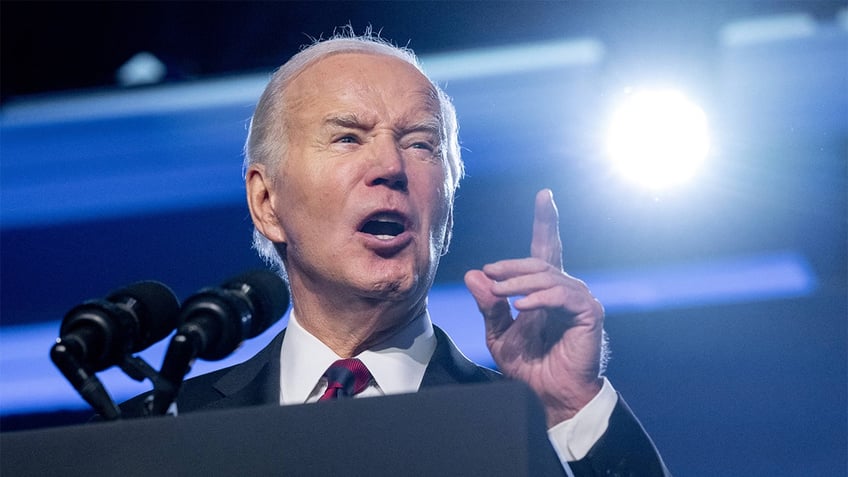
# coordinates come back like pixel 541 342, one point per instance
pixel 391 289
pixel 396 280
pixel 398 287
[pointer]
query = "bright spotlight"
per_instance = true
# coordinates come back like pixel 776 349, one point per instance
pixel 658 138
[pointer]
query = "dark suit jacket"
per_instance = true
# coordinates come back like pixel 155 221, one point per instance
pixel 624 450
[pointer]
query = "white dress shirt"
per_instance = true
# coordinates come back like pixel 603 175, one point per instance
pixel 397 366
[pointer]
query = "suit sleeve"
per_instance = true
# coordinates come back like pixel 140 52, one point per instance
pixel 624 450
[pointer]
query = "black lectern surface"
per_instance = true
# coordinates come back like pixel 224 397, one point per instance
pixel 479 430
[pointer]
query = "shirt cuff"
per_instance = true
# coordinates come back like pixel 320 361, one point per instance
pixel 572 439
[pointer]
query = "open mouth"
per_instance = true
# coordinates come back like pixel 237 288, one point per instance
pixel 384 226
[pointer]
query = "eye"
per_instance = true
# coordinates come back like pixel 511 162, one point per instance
pixel 420 142
pixel 423 145
pixel 348 139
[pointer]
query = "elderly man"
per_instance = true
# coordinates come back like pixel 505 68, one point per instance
pixel 352 163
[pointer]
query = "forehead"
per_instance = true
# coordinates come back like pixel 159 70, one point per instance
pixel 366 84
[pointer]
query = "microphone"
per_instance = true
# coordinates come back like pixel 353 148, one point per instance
pixel 98 334
pixel 214 322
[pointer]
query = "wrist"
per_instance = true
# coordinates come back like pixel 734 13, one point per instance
pixel 564 407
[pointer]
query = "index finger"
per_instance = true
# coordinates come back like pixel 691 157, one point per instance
pixel 546 243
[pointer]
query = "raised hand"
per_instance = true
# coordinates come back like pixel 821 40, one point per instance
pixel 554 344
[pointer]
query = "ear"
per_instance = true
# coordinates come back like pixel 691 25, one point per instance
pixel 260 200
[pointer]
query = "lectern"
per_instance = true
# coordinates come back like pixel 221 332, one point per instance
pixel 494 429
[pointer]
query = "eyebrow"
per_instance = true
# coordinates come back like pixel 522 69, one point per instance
pixel 345 120
pixel 432 126
pixel 352 121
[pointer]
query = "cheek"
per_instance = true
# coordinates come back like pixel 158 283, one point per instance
pixel 313 199
pixel 441 199
pixel 442 231
pixel 302 187
pixel 296 202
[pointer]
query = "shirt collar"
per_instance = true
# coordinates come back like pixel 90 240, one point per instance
pixel 397 364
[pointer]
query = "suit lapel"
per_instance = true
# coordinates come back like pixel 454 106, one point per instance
pixel 256 381
pixel 449 366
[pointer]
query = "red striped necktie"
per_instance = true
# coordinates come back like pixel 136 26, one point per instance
pixel 345 378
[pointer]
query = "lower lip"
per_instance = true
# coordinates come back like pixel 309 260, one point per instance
pixel 386 246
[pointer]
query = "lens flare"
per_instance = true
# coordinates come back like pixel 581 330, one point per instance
pixel 658 138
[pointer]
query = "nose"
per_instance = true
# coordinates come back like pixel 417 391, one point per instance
pixel 387 166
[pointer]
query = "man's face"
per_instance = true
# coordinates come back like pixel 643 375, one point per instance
pixel 361 196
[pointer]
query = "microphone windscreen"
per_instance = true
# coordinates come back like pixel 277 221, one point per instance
pixel 268 294
pixel 154 305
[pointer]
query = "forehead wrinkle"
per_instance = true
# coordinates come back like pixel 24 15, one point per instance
pixel 361 102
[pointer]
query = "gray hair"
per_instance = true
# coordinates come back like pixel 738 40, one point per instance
pixel 265 145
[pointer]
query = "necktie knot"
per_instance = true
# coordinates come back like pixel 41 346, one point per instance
pixel 345 378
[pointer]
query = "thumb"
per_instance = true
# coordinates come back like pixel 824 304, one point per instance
pixel 496 311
